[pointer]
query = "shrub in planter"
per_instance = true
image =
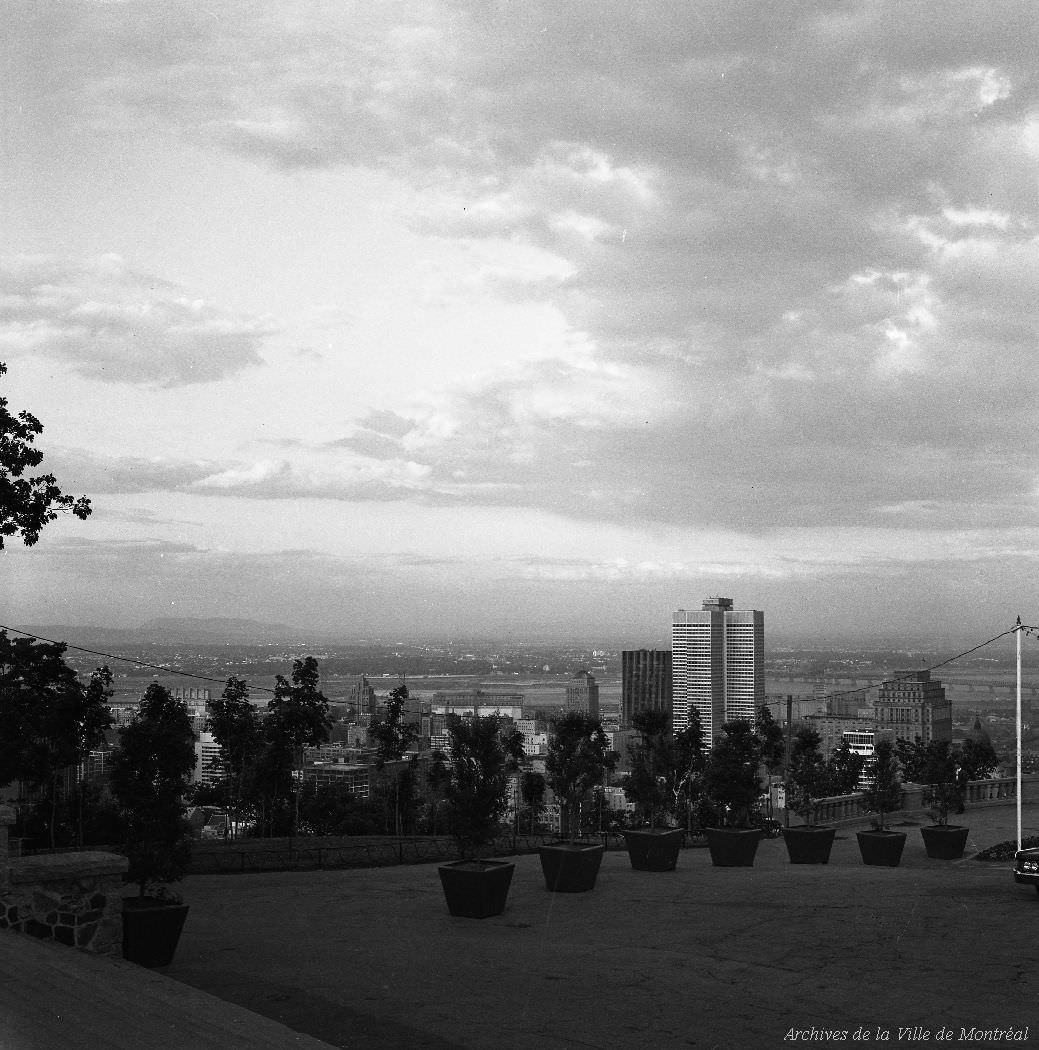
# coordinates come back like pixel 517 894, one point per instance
pixel 577 761
pixel 151 774
pixel 665 778
pixel 733 788
pixel 938 768
pixel 809 780
pixel 883 796
pixel 483 756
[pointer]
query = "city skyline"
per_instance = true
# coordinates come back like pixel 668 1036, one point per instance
pixel 519 320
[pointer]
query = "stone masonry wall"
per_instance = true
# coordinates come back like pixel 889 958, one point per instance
pixel 71 898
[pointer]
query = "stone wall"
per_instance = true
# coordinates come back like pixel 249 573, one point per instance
pixel 71 898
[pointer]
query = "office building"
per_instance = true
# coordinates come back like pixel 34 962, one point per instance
pixel 717 664
pixel 914 705
pixel 645 682
pixel 582 694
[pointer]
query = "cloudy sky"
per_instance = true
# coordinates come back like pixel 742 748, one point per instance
pixel 434 317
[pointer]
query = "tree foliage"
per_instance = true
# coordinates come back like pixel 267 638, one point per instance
pixel 483 755
pixel 393 737
pixel 27 502
pixel 238 730
pixel 845 769
pixel 731 778
pixel 578 758
pixel 49 720
pixel 297 718
pixel 884 793
pixel 151 773
pixel 809 775
pixel 771 739
pixel 533 793
pixel 666 767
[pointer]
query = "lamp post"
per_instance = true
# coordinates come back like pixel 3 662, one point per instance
pixel 1017 632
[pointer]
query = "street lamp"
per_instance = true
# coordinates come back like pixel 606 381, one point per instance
pixel 1017 631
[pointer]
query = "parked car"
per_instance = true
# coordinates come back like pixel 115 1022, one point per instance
pixel 1026 867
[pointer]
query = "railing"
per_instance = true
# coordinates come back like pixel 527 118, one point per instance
pixel 851 807
pixel 371 852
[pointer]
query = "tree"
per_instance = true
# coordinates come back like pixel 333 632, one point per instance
pixel 533 788
pixel 438 776
pixel 577 760
pixel 844 767
pixel 689 763
pixel 884 793
pixel 27 504
pixel 808 774
pixel 483 755
pixel 666 767
pixel 238 730
pixel 649 756
pixel 912 759
pixel 731 777
pixel 771 740
pixel 939 773
pixel 978 761
pixel 393 737
pixel 151 773
pixel 297 718
pixel 49 720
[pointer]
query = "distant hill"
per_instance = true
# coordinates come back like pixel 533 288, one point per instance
pixel 170 630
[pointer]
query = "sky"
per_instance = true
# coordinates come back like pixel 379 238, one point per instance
pixel 526 319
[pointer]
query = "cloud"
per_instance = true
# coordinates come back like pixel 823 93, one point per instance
pixel 114 325
pixel 795 245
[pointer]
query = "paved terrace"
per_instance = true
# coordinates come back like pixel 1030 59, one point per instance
pixel 702 957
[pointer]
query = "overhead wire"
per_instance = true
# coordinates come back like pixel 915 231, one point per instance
pixel 129 659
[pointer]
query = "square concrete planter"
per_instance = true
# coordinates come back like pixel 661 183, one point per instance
pixel 945 841
pixel 733 847
pixel 476 889
pixel 809 843
pixel 654 849
pixel 151 930
pixel 883 849
pixel 570 867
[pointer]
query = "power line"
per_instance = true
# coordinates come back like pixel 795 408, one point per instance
pixel 933 667
pixel 129 660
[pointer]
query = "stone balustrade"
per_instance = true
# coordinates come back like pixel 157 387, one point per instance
pixel 71 898
pixel 840 808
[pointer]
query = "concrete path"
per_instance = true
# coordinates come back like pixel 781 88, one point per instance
pixel 55 998
pixel 704 957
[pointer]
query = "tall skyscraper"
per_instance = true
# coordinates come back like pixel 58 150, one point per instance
pixel 582 694
pixel 717 664
pixel 645 682
pixel 914 705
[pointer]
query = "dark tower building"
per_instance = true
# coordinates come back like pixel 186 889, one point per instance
pixel 645 682
pixel 582 694
pixel 914 705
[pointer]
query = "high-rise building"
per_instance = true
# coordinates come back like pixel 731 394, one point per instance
pixel 717 664
pixel 914 705
pixel 645 682
pixel 582 694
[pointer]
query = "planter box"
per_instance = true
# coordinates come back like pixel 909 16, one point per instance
pixel 945 842
pixel 476 889
pixel 733 847
pixel 809 844
pixel 654 849
pixel 881 848
pixel 570 867
pixel 151 930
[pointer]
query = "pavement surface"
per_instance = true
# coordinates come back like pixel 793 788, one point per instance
pixel 755 958
pixel 931 952
pixel 55 998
